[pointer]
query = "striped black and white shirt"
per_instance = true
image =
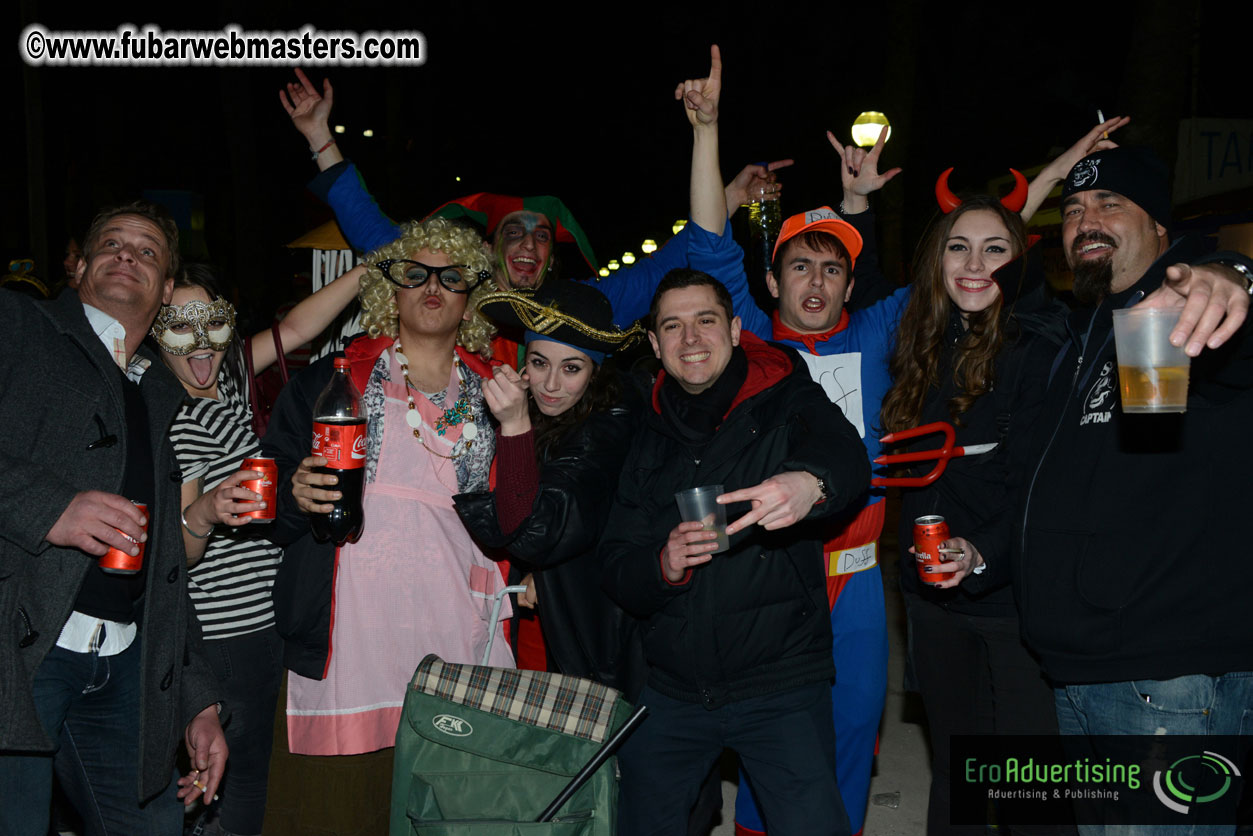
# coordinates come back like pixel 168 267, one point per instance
pixel 230 586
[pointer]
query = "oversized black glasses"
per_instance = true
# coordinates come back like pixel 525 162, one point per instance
pixel 404 273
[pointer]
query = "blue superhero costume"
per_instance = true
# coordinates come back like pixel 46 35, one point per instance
pixel 851 363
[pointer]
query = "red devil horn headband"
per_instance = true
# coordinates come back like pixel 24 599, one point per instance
pixel 1014 201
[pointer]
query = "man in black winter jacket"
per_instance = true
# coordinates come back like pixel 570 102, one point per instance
pixel 1132 576
pixel 739 643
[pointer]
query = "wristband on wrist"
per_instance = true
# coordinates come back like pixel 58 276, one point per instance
pixel 328 144
pixel 182 515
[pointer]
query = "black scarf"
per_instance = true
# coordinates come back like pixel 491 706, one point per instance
pixel 695 418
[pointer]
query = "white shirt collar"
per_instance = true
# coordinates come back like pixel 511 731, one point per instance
pixel 109 329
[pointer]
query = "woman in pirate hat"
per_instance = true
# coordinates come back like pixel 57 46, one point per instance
pixel 564 430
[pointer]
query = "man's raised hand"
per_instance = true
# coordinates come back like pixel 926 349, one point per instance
pixel 754 181
pixel 310 111
pixel 700 96
pixel 859 171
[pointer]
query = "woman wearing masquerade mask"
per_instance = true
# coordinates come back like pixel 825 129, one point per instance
pixel 559 452
pixel 960 356
pixel 232 567
pixel 357 619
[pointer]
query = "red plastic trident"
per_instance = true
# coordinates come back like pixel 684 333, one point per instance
pixel 942 455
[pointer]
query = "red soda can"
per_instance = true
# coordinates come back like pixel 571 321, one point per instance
pixel 267 486
pixel 929 533
pixel 118 562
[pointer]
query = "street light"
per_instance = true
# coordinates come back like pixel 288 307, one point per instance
pixel 866 128
pixel 367 132
pixel 613 264
pixel 649 246
pixel 678 225
pixel 628 258
pixel 604 271
pixel 339 129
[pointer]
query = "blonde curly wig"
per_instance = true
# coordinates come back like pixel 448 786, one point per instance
pixel 378 295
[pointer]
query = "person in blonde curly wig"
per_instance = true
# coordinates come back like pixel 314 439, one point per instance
pixel 415 582
pixel 378 295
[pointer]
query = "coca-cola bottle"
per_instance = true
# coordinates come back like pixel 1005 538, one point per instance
pixel 339 437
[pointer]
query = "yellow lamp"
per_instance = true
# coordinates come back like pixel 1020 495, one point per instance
pixel 867 126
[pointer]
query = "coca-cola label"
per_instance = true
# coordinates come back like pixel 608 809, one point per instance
pixel 342 445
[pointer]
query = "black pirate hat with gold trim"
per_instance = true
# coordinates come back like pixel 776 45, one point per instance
pixel 567 312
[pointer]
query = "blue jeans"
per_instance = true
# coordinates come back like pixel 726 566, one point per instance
pixel 89 706
pixel 250 670
pixel 1194 705
pixel 785 741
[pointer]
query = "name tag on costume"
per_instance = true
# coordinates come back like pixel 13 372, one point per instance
pixel 839 375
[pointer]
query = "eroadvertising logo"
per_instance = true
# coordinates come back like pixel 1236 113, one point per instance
pixel 1098 780
pixel 1195 779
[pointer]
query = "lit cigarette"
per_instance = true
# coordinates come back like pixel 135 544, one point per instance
pixel 1100 117
pixel 199 786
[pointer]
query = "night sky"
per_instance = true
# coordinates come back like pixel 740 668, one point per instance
pixel 578 103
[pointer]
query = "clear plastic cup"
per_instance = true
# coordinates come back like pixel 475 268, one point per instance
pixel 698 505
pixel 1152 373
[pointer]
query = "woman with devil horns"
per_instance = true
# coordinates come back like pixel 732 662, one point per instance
pixel 960 357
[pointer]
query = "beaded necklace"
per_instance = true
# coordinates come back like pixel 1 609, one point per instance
pixel 453 416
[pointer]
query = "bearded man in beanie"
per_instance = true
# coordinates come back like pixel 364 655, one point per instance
pixel 1131 576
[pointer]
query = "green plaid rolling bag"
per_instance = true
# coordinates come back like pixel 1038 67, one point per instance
pixel 482 751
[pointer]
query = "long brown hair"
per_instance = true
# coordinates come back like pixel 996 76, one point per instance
pixel 603 391
pixel 924 325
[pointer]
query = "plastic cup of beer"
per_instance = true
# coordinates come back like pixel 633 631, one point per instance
pixel 699 505
pixel 1152 373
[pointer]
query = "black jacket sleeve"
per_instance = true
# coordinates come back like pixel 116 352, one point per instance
pixel 631 557
pixel 575 493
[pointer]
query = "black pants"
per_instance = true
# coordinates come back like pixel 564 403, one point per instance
pixel 249 669
pixel 786 743
pixel 975 677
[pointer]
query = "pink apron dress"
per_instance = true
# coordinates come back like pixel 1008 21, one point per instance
pixel 415 583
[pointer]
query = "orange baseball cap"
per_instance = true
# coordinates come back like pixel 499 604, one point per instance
pixel 822 219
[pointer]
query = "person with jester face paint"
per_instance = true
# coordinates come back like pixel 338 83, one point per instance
pixel 232 565
pixel 523 230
